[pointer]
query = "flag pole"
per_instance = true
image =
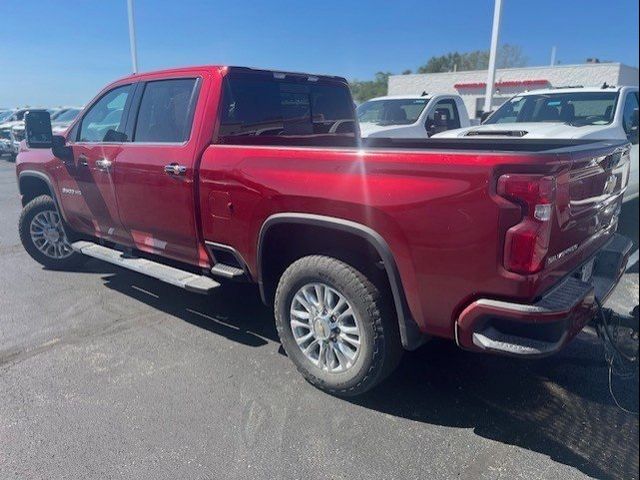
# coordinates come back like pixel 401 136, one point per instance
pixel 132 37
pixel 491 74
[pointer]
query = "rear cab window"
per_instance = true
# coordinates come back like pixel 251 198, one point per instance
pixel 166 111
pixel 266 108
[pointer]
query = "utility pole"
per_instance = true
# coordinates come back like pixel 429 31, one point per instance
pixel 491 74
pixel 553 55
pixel 132 37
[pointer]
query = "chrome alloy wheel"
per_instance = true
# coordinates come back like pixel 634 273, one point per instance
pixel 325 327
pixel 48 235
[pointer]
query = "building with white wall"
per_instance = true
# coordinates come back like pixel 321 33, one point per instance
pixel 471 85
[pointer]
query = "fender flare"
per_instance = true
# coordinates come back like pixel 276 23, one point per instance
pixel 45 178
pixel 410 333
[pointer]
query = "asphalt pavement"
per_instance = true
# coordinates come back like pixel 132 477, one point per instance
pixel 108 374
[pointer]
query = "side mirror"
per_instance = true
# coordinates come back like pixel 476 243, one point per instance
pixel 440 120
pixel 484 116
pixel 60 149
pixel 37 128
pixel 438 124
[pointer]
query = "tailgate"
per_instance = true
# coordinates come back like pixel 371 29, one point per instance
pixel 568 210
pixel 588 199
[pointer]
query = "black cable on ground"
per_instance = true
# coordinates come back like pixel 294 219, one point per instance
pixel 620 363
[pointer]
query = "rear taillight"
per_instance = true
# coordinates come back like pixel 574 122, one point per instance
pixel 527 243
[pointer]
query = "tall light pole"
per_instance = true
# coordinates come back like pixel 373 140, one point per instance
pixel 132 37
pixel 491 74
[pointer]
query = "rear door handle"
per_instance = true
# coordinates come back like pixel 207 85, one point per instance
pixel 175 169
pixel 83 160
pixel 103 164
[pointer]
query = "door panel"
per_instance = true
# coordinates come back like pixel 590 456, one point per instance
pixel 155 173
pixel 88 192
pixel 157 208
pixel 94 166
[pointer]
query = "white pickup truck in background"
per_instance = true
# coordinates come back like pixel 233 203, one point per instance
pixel 606 113
pixel 411 116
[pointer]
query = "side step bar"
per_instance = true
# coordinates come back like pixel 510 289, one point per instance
pixel 227 271
pixel 174 276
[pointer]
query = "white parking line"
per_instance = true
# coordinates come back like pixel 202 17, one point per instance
pixel 633 259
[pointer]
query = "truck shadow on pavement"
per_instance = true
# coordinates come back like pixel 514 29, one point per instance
pixel 234 311
pixel 559 406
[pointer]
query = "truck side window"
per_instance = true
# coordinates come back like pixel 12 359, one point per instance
pixel 105 116
pixel 262 109
pixel 166 111
pixel 448 117
pixel 629 118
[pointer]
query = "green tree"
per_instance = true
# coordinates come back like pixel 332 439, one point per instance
pixel 364 90
pixel 509 56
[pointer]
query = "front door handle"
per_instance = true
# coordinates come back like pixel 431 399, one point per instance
pixel 175 169
pixel 83 160
pixel 103 164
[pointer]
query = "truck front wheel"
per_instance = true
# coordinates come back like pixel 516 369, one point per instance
pixel 336 326
pixel 43 236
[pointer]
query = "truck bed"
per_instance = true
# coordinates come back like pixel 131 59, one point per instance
pixel 517 145
pixel 434 201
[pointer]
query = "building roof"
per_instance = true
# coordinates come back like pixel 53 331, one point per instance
pixel 531 67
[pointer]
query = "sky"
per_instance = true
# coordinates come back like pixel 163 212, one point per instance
pixel 61 52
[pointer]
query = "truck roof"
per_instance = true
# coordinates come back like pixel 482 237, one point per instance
pixel 427 96
pixel 400 97
pixel 545 91
pixel 195 68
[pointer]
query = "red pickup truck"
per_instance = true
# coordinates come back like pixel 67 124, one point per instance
pixel 201 176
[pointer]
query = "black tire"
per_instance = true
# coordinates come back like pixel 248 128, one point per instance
pixel 380 346
pixel 40 204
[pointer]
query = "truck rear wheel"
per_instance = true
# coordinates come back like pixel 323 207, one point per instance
pixel 43 236
pixel 336 326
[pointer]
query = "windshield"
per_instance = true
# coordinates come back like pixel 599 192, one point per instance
pixel 20 114
pixel 5 115
pixel 391 112
pixel 68 116
pixel 574 108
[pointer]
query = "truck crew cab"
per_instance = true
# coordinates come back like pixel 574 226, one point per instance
pixel 411 116
pixel 207 175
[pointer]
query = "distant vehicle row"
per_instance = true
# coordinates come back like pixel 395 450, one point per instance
pixel 569 113
pixel 12 126
pixel 605 113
